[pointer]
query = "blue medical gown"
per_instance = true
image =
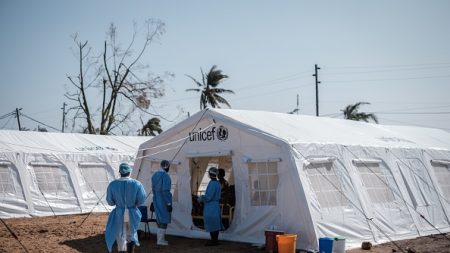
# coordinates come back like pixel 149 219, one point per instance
pixel 162 197
pixel 123 193
pixel 211 210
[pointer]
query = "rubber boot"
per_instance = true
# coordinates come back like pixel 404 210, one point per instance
pixel 130 247
pixel 214 239
pixel 160 240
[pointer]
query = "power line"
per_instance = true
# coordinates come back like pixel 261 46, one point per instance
pixel 176 100
pixel 300 76
pixel 331 115
pixel 406 123
pixel 28 117
pixel 7 115
pixel 281 79
pixel 385 70
pixel 9 119
pixel 389 66
pixel 388 79
pixel 244 88
pixel 436 104
pixel 53 111
pixel 272 92
pixel 275 81
pixel 400 113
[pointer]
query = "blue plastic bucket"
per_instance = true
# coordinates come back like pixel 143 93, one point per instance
pixel 326 245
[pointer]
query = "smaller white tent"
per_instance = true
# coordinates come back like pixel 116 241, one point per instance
pixel 59 173
pixel 309 176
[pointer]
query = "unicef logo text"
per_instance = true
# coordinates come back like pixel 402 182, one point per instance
pixel 221 133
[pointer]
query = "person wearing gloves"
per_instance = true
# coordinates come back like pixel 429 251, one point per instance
pixel 162 200
pixel 211 209
pixel 126 194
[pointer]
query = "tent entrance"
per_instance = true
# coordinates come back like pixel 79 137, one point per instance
pixel 199 181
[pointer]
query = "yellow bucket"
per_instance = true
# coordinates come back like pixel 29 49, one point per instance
pixel 286 243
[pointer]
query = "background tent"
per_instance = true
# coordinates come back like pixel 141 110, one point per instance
pixel 59 173
pixel 310 176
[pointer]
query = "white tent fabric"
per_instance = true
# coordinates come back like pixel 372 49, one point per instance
pixel 59 173
pixel 310 176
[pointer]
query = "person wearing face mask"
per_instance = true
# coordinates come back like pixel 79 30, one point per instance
pixel 211 209
pixel 162 201
pixel 126 194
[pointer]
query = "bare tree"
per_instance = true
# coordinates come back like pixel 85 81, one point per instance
pixel 116 75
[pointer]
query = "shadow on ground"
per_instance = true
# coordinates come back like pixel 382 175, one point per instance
pixel 177 244
pixel 87 244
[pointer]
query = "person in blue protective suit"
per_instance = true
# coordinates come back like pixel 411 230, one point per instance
pixel 126 194
pixel 211 209
pixel 162 201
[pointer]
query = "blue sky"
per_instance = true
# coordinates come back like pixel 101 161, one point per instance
pixel 393 54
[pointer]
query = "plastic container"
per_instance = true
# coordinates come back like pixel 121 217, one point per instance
pixel 286 243
pixel 326 245
pixel 271 241
pixel 339 244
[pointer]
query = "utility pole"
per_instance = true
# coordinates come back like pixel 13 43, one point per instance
pixel 64 116
pixel 18 117
pixel 317 88
pixel 297 103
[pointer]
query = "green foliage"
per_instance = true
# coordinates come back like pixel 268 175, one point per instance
pixel 210 93
pixel 152 126
pixel 352 112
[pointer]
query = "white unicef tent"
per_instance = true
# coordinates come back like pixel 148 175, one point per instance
pixel 309 176
pixel 59 173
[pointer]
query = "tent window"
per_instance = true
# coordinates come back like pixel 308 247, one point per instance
pixel 155 166
pixel 442 172
pixel 263 177
pixel 6 181
pixel 326 185
pixel 96 176
pixel 375 182
pixel 52 180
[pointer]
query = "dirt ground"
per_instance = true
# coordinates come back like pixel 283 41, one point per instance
pixel 64 234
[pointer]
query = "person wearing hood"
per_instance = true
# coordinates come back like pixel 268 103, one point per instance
pixel 211 210
pixel 126 194
pixel 162 201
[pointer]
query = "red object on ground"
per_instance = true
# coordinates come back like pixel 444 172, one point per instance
pixel 271 241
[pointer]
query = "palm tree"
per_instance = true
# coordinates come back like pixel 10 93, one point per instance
pixel 209 88
pixel 151 126
pixel 351 112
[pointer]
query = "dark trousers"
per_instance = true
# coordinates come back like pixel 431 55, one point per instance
pixel 214 236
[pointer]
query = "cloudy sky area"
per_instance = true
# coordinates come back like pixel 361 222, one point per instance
pixel 393 54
